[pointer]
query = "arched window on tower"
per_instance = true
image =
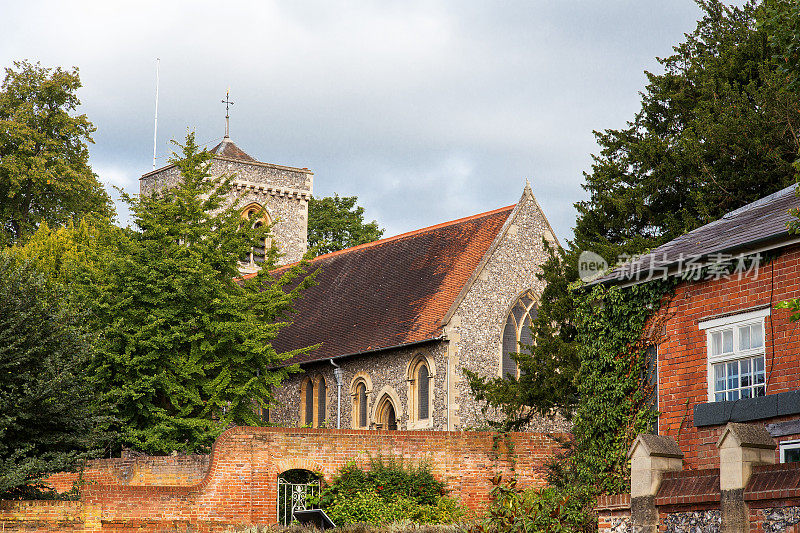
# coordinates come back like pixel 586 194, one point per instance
pixel 518 330
pixel 258 217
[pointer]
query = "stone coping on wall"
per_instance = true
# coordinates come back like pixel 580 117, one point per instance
pixel 774 482
pixel 767 482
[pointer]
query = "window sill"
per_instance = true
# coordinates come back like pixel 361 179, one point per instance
pixel 748 409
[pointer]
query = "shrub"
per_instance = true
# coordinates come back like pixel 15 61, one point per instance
pixel 389 491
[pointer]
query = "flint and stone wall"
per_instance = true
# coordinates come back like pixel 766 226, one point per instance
pixel 472 340
pixel 475 329
pixel 384 373
pixel 283 191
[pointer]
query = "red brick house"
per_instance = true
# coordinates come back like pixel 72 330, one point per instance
pixel 726 355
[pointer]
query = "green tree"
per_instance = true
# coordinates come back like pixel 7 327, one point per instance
pixel 186 343
pixel 44 159
pixel 336 223
pixel 48 418
pixel 75 257
pixel 716 130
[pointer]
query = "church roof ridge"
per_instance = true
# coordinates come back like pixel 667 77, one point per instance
pixel 390 239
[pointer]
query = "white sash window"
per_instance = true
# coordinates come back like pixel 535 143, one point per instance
pixel 736 362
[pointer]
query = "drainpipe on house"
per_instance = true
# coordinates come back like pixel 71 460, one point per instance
pixel 337 374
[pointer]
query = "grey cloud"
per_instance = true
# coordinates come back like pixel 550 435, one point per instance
pixel 427 110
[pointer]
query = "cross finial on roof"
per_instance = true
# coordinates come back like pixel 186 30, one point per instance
pixel 227 103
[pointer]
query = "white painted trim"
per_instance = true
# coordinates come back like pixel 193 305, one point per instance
pixel 734 319
pixel 787 445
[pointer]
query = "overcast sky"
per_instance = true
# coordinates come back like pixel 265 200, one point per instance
pixel 427 111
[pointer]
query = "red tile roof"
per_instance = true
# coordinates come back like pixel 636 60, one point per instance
pixel 391 292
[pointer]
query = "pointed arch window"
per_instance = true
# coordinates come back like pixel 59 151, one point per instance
pixel 423 391
pixel 518 330
pixel 421 374
pixel 308 420
pixel 258 217
pixel 313 401
pixel 361 402
pixel 322 396
pixel 387 414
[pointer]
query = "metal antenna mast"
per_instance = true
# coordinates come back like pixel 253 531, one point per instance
pixel 155 125
pixel 227 103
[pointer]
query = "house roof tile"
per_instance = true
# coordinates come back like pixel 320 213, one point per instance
pixel 761 222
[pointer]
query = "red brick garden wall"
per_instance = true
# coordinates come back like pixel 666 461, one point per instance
pixel 139 470
pixel 682 354
pixel 240 486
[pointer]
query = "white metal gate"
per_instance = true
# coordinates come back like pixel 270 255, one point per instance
pixel 295 497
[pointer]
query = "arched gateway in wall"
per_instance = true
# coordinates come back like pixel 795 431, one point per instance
pixel 241 484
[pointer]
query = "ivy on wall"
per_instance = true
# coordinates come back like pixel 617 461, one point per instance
pixel 616 327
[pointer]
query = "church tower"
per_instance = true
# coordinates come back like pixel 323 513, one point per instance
pixel 282 191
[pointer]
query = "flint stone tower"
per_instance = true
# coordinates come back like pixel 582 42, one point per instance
pixel 283 192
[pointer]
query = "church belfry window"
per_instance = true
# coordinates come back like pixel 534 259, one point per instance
pixel 258 217
pixel 518 330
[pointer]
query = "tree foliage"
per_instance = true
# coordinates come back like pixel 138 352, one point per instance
pixel 75 257
pixel 44 159
pixel 186 345
pixel 336 223
pixel 48 415
pixel 717 129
